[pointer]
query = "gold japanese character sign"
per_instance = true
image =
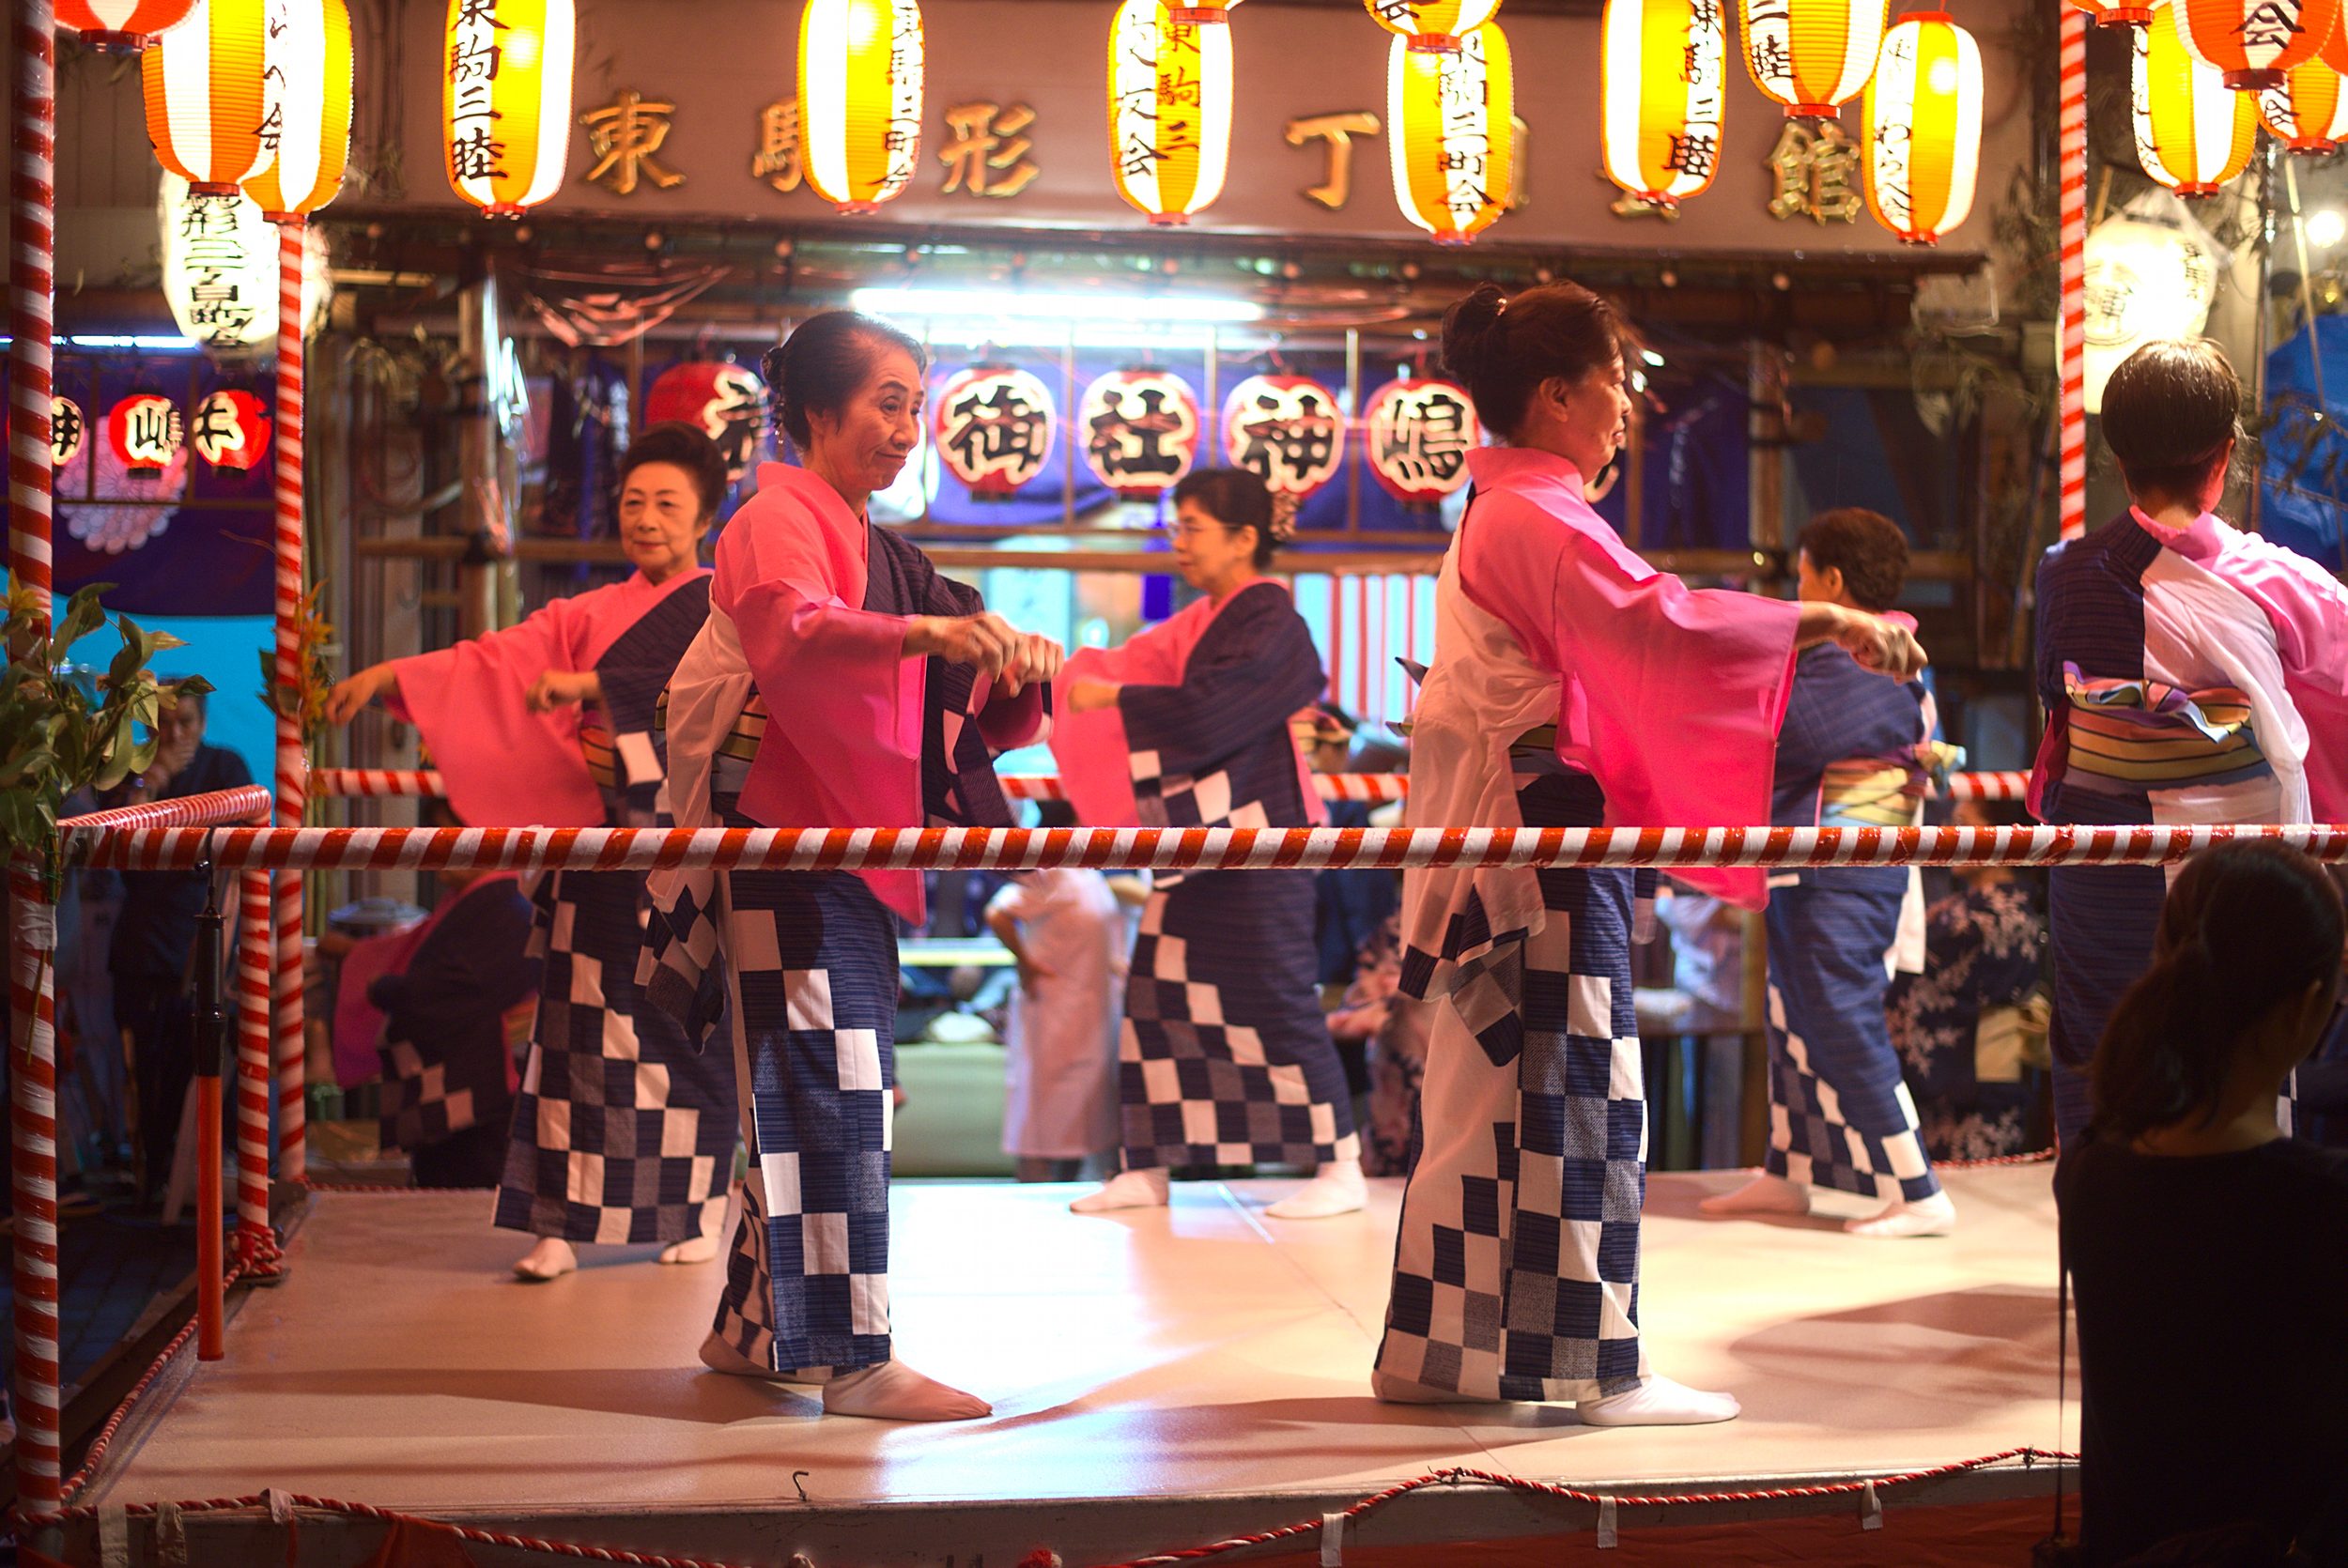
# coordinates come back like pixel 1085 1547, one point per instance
pixel 1289 431
pixel 1140 431
pixel 1419 432
pixel 1336 132
pixel 993 426
pixel 778 160
pixel 624 134
pixel 1816 175
pixel 986 152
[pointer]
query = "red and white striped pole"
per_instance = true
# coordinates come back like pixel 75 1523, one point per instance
pixel 293 767
pixel 254 1237
pixel 2072 505
pixel 32 919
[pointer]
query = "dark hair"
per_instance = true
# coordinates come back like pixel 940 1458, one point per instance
pixel 678 444
pixel 1867 547
pixel 2168 410
pixel 824 362
pixel 2249 926
pixel 1237 499
pixel 1503 348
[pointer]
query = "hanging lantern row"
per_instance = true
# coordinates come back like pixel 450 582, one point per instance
pixel 1812 56
pixel 2192 134
pixel 209 94
pixel 122 26
pixel 1924 128
pixel 1662 85
pixel 229 429
pixel 505 101
pixel 1140 430
pixel 310 58
pixel 1170 110
pixel 1432 26
pixel 2309 112
pixel 1450 134
pixel 861 79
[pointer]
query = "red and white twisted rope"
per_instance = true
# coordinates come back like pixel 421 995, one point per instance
pixel 33 1181
pixel 293 767
pixel 2072 120
pixel 243 802
pixel 252 995
pixel 32 291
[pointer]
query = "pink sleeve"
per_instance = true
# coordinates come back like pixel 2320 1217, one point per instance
pixel 1095 761
pixel 2306 605
pixel 1007 723
pixel 504 766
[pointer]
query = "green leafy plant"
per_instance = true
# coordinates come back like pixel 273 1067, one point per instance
pixel 62 732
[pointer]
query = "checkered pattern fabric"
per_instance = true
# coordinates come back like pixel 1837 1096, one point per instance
pixel 1840 1114
pixel 622 1133
pixel 1224 1057
pixel 419 1105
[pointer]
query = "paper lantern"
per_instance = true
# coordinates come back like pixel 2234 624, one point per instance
pixel 1420 432
pixel 310 54
pixel 209 98
pixel 992 425
pixel 1204 13
pixel 860 99
pixel 1662 79
pixel 66 429
pixel 1140 431
pixel 1289 431
pixel 1922 140
pixel 723 401
pixel 1812 56
pixel 1170 110
pixel 2128 13
pixel 1448 132
pixel 505 101
pixel 231 428
pixel 1432 26
pixel 145 432
pixel 122 26
pixel 2254 41
pixel 2191 134
pixel 2144 279
pixel 2309 112
pixel 220 269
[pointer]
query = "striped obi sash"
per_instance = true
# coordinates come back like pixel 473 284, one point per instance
pixel 1883 791
pixel 603 758
pixel 2129 735
pixel 737 751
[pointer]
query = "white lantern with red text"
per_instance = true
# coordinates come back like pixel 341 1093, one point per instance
pixel 1420 432
pixel 144 430
pixel 66 429
pixel 724 401
pixel 230 429
pixel 1140 430
pixel 1289 431
pixel 122 26
pixel 993 426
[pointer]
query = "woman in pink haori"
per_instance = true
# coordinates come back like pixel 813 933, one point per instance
pixel 842 681
pixel 1573 686
pixel 623 1130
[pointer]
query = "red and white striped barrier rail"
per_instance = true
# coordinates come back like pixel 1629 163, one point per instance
pixel 1013 849
pixel 251 989
pixel 246 803
pixel 365 783
pixel 1988 786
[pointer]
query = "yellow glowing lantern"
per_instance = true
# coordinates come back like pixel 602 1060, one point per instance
pixel 121 25
pixel 860 99
pixel 2191 134
pixel 505 101
pixel 1202 12
pixel 1447 128
pixel 1663 76
pixel 1170 110
pixel 2309 112
pixel 1435 26
pixel 310 57
pixel 2254 41
pixel 1812 56
pixel 209 96
pixel 1922 149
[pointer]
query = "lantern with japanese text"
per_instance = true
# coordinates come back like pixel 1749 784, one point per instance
pixel 122 26
pixel 2191 134
pixel 1432 26
pixel 2309 112
pixel 1448 131
pixel 1922 148
pixel 230 429
pixel 1289 431
pixel 1663 81
pixel 145 432
pixel 220 269
pixel 210 98
pixel 505 101
pixel 1420 432
pixel 2254 41
pixel 2126 13
pixel 310 52
pixel 992 425
pixel 66 429
pixel 1812 56
pixel 1140 430
pixel 860 99
pixel 722 400
pixel 1170 110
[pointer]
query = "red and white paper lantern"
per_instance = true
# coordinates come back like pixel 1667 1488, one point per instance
pixel 230 429
pixel 1289 431
pixel 143 429
pixel 1140 430
pixel 66 429
pixel 993 424
pixel 725 402
pixel 1420 432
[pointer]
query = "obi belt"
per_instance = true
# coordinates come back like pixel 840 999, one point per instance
pixel 2131 735
pixel 1883 791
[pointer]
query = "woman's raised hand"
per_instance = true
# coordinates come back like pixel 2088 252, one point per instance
pixel 560 688
pixel 1035 659
pixel 985 640
pixel 1882 645
pixel 355 692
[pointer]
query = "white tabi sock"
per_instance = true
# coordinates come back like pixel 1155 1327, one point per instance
pixel 1144 1189
pixel 1336 1188
pixel 895 1392
pixel 1764 1195
pixel 550 1259
pixel 1932 1216
pixel 1658 1402
pixel 693 1249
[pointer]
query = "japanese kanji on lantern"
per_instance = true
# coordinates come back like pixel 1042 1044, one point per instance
pixel 65 430
pixel 2309 112
pixel 723 401
pixel 2254 41
pixel 860 99
pixel 1812 56
pixel 1432 26
pixel 1170 110
pixel 1420 431
pixel 1448 131
pixel 1662 79
pixel 309 144
pixel 1922 149
pixel 993 426
pixel 231 428
pixel 220 269
pixel 1289 431
pixel 145 432
pixel 2192 134
pixel 209 96
pixel 1140 430
pixel 505 101
pixel 122 26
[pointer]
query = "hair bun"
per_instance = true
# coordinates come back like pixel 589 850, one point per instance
pixel 1471 327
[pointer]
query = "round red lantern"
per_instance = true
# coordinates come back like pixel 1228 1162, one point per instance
pixel 230 429
pixel 723 401
pixel 144 430
pixel 122 26
pixel 1140 431
pixel 66 428
pixel 1289 431
pixel 1420 432
pixel 993 426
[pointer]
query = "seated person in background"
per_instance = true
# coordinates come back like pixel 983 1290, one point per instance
pixel 1393 1028
pixel 2208 1253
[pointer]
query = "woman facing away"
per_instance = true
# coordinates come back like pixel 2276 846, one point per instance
pixel 841 682
pixel 2209 1253
pixel 1517 1268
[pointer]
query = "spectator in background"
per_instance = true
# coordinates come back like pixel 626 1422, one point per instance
pixel 1393 1028
pixel 1349 906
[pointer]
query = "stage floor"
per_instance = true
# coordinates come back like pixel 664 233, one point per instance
pixel 1167 1354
